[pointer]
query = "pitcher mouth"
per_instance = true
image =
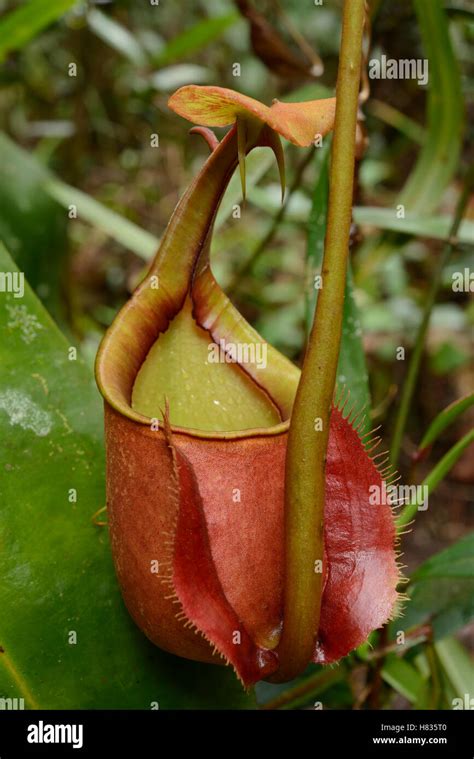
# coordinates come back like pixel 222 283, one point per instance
pixel 145 422
pixel 115 376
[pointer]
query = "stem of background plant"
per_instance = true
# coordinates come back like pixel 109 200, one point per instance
pixel 436 690
pixel 437 474
pixel 415 360
pixel 306 453
pixel 265 241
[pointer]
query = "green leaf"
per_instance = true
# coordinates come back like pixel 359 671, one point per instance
pixel 20 25
pixel 435 227
pixel 260 160
pixel 122 230
pixel 439 156
pixel 404 678
pixel 55 564
pixel 442 590
pixel 32 225
pixel 444 419
pixel 195 38
pixel 458 666
pixel 352 369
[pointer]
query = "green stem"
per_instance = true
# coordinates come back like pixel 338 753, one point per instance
pixel 437 474
pixel 415 360
pixel 306 454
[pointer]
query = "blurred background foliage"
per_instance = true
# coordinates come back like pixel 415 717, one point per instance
pixel 83 90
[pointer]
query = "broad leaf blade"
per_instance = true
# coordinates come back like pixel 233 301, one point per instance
pixel 442 590
pixel 89 210
pixel 25 22
pixel 457 664
pixel 56 568
pixel 404 678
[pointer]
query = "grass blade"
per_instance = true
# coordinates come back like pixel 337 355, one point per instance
pixel 90 210
pixel 444 419
pixel 432 227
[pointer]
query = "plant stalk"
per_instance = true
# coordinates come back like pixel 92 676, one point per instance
pixel 415 360
pixel 306 453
